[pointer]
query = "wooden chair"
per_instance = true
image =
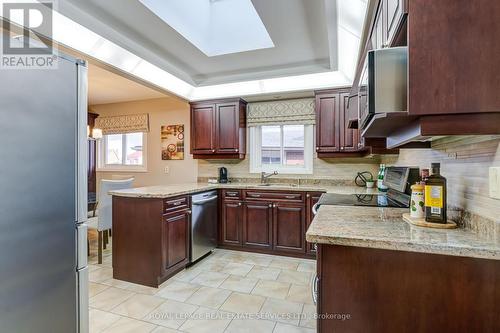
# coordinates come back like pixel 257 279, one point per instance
pixel 104 221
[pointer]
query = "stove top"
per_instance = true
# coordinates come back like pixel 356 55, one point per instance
pixel 398 200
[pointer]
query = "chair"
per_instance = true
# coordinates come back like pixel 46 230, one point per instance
pixel 104 221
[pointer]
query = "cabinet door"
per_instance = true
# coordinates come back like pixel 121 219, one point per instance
pixel 289 227
pixel 232 219
pixel 257 225
pixel 227 128
pixel 175 239
pixel 312 199
pixel 394 10
pixel 349 138
pixel 327 123
pixel 203 129
pixel 377 38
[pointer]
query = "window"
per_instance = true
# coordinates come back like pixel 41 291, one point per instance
pixel 126 152
pixel 282 148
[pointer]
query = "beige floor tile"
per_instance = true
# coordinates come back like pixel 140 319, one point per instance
pixel 93 267
pixel 137 288
pixel 308 316
pixel 138 306
pixel 284 264
pixel 101 274
pixel 250 326
pixel 258 260
pixel 243 303
pixel 100 320
pixel 209 297
pixel 211 264
pixel 187 274
pixel 300 278
pixel 109 298
pixel 307 266
pixel 239 283
pixel 117 283
pixel 171 314
pixel 264 273
pixel 282 311
pixel 178 291
pixel 129 325
pixel 300 294
pixel 235 268
pixel 273 289
pixel 207 321
pixel 96 288
pixel 161 329
pixel 284 328
pixel 210 279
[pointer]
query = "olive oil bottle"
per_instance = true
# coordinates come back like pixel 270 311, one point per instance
pixel 435 196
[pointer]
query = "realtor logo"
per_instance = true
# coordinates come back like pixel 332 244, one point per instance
pixel 27 36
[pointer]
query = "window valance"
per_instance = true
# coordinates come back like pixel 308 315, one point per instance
pixel 123 124
pixel 292 111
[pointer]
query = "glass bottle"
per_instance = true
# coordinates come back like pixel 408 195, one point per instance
pixel 435 196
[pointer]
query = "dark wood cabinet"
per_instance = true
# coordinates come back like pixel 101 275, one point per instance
pixel 378 31
pixel 289 227
pixel 231 222
pixel 397 291
pixel 257 225
pixel 334 138
pixel 311 199
pixel 218 129
pixel 150 238
pixel 175 238
pixel 394 14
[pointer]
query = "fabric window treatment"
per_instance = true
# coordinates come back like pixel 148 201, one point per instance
pixel 123 124
pixel 284 112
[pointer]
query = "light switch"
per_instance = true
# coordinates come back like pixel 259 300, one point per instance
pixel 167 169
pixel 495 182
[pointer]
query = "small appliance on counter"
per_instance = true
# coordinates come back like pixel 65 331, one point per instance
pixel 223 175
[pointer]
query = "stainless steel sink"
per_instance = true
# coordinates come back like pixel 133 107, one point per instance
pixel 277 185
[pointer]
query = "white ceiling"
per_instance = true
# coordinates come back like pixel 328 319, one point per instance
pixel 107 87
pixel 304 33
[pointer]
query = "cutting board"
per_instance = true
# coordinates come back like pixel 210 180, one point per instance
pixel 422 223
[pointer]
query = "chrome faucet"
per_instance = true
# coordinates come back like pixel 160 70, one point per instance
pixel 264 176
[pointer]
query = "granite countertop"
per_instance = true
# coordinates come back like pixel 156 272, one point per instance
pixel 166 191
pixel 384 228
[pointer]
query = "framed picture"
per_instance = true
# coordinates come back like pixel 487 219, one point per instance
pixel 172 142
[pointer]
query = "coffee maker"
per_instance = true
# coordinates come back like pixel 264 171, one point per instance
pixel 223 175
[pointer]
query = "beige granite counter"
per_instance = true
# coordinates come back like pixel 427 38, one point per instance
pixel 165 191
pixel 384 228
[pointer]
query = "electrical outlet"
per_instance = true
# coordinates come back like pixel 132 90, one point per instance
pixel 495 182
pixel 167 170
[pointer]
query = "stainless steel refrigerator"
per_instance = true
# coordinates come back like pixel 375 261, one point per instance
pixel 43 199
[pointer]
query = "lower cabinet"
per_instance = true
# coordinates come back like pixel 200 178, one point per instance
pixel 175 242
pixel 231 222
pixel 289 227
pixel 257 225
pixel 311 199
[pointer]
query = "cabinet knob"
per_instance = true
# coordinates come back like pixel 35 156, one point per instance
pixel 274 205
pixel 270 205
pixel 308 195
pixel 359 144
pixel 236 150
pixel 189 212
pixel 341 148
pixel 317 148
pixel 239 203
pixel 213 150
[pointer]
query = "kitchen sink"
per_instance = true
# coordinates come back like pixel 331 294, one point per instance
pixel 277 185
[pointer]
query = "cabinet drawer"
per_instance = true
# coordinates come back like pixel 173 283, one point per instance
pixel 275 196
pixel 231 194
pixel 174 204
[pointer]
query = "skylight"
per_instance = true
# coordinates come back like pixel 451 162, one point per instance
pixel 215 27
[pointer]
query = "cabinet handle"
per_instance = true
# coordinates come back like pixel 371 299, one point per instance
pixel 290 196
pixel 255 195
pixel 314 289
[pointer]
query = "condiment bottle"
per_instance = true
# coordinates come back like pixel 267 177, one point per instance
pixel 417 201
pixel 435 196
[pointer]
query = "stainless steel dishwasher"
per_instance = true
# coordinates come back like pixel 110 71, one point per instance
pixel 203 224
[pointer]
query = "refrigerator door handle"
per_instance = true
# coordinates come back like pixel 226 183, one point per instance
pixel 81 144
pixel 81 246
pixel 82 278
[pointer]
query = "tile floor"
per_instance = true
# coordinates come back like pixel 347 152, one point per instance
pixel 229 291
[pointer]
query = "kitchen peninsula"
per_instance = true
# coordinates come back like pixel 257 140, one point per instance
pixel 389 275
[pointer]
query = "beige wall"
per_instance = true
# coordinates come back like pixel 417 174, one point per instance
pixel 163 111
pixel 465 162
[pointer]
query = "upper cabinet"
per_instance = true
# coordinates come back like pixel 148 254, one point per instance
pixel 334 138
pixel 218 129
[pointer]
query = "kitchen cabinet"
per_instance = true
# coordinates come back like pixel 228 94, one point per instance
pixel 378 31
pixel 264 221
pixel 311 199
pixel 175 240
pixel 390 291
pixel 231 222
pixel 394 14
pixel 150 238
pixel 334 138
pixel 257 225
pixel 218 129
pixel 289 227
